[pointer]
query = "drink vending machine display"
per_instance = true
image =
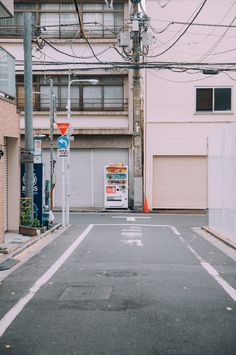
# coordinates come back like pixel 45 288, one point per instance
pixel 116 186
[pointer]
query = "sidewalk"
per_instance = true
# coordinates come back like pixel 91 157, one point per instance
pixel 225 239
pixel 15 243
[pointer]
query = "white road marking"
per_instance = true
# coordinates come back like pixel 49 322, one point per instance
pixel 131 242
pixel 131 234
pixel 174 229
pixel 137 230
pixel 130 219
pixel 213 272
pixel 9 317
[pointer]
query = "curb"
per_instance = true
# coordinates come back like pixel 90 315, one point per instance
pixel 32 241
pixel 220 236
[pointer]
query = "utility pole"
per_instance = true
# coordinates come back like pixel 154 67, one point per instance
pixel 29 142
pixel 137 109
pixel 52 118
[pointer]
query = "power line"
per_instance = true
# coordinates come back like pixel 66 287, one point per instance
pixel 217 42
pixel 179 81
pixel 82 30
pixel 181 35
pixel 70 55
pixel 179 66
pixel 201 24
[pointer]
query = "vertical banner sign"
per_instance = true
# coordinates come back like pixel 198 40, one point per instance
pixel 37 187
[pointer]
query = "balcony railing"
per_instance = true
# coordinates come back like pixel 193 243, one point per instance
pixel 7 74
pixel 111 104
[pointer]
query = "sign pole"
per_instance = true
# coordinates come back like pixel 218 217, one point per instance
pixel 68 160
pixel 62 143
pixel 63 193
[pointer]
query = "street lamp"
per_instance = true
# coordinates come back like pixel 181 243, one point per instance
pixel 93 82
pixel 52 97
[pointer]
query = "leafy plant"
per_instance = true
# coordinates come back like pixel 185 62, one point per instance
pixel 25 211
pixel 35 223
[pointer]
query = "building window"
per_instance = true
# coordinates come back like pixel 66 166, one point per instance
pixel 58 19
pixel 213 99
pixel 108 95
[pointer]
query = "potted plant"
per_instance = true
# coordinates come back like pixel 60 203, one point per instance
pixel 28 226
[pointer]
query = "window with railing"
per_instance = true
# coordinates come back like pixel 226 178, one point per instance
pixel 59 19
pixel 107 95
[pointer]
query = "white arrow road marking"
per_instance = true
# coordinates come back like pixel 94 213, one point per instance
pixel 131 242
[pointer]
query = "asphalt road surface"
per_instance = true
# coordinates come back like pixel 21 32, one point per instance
pixel 122 284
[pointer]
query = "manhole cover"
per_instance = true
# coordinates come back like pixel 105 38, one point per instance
pixel 119 273
pixel 84 293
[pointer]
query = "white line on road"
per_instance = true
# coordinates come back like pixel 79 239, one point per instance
pixel 138 242
pixel 9 317
pixel 213 272
pixel 130 219
pixel 133 230
pixel 174 229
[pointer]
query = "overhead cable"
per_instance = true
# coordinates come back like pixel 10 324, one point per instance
pixel 181 35
pixel 82 31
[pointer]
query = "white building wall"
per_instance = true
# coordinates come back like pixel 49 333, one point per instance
pixel 222 182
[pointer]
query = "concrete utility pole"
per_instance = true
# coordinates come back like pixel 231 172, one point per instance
pixel 137 109
pixel 52 118
pixel 28 86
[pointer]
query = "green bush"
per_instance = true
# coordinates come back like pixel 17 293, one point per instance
pixel 35 223
pixel 25 211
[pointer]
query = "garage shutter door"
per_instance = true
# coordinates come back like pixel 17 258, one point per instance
pixel 180 182
pixel 5 199
pixel 86 175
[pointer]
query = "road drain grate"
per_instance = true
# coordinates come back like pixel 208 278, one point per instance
pixel 119 273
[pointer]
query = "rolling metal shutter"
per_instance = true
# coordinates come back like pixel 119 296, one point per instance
pixel 180 182
pixel 86 175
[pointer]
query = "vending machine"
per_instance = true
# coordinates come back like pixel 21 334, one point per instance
pixel 116 186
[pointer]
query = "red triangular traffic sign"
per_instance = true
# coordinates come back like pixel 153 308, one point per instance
pixel 63 126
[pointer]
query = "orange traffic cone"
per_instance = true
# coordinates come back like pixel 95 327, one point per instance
pixel 145 205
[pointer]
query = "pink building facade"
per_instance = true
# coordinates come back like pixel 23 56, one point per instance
pixel 183 107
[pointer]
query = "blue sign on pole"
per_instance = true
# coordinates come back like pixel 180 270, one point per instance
pixel 63 142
